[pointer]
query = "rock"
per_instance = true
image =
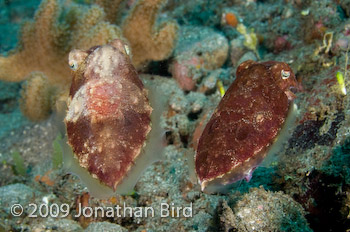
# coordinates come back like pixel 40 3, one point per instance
pixel 247 56
pixel 261 210
pixel 55 224
pixel 104 227
pixel 199 49
pixel 15 194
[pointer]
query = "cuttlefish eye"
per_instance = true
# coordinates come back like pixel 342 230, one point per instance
pixel 127 50
pixel 76 57
pixel 285 74
pixel 73 65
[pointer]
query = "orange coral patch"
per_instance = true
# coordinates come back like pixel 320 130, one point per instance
pixel 231 19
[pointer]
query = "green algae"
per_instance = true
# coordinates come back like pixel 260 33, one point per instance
pixel 19 167
pixel 57 156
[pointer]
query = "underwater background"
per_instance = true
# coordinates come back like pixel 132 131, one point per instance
pixel 188 51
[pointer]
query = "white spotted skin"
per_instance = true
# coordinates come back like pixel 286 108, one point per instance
pixel 108 118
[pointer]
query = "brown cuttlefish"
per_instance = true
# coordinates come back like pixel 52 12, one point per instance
pixel 245 124
pixel 112 131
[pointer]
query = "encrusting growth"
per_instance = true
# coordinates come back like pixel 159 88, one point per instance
pixel 147 41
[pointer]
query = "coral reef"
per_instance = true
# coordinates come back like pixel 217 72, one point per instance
pixel 43 53
pixel 312 166
pixel 36 40
pixel 110 7
pixel 147 41
pixel 46 42
pixel 37 93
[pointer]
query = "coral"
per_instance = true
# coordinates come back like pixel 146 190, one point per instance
pixel 57 29
pixel 309 169
pixel 110 7
pixel 147 41
pixel 44 46
pixel 36 102
pixel 36 42
pixel 90 29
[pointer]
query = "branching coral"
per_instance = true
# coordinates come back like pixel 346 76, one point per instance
pixel 111 8
pixel 91 29
pixel 148 42
pixel 36 106
pixel 37 41
pixel 42 56
pixel 43 52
